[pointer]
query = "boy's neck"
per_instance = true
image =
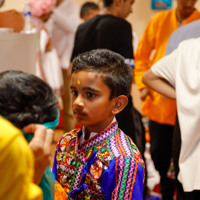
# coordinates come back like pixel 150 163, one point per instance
pixel 89 130
pixel 87 135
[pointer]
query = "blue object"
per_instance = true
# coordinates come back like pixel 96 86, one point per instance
pixel 150 197
pixel 161 4
pixel 54 123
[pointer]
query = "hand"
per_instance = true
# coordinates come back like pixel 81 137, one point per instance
pixel 144 93
pixel 41 147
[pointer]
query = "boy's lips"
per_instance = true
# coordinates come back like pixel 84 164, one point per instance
pixel 78 114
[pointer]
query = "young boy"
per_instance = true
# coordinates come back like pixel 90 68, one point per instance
pixel 99 161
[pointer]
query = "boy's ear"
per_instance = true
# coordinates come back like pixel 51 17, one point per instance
pixel 119 104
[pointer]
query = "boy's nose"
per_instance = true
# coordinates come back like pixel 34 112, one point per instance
pixel 78 101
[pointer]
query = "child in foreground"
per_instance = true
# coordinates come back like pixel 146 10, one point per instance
pixel 99 161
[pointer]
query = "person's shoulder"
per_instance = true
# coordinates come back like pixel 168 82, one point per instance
pixel 114 24
pixel 113 20
pixel 105 21
pixel 132 146
pixel 71 134
pixel 128 147
pixel 189 44
pixel 163 14
pixel 8 131
pixel 92 20
pixel 68 137
pixel 89 23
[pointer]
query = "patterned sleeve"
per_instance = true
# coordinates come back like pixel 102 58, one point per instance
pixel 123 179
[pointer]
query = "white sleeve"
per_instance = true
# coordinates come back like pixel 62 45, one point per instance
pixel 166 67
pixel 66 16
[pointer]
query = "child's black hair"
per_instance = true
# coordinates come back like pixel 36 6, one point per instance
pixel 116 74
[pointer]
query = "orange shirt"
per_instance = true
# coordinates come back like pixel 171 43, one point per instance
pixel 150 49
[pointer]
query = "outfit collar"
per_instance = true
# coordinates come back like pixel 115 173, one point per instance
pixel 95 139
pixel 92 134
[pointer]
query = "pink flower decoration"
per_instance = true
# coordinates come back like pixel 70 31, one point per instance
pixel 41 7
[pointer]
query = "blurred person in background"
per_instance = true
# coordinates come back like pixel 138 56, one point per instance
pixel 161 111
pixel 88 10
pixel 62 24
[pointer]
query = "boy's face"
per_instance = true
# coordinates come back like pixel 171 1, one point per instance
pixel 90 101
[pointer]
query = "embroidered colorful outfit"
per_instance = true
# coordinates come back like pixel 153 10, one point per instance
pixel 107 166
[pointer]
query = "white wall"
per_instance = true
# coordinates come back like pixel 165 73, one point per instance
pixel 12 4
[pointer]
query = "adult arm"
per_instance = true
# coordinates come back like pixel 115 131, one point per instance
pixel 161 77
pixel 159 84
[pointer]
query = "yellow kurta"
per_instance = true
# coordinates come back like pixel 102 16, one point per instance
pixel 150 49
pixel 16 165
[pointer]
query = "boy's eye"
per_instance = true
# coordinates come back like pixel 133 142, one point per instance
pixel 74 93
pixel 90 95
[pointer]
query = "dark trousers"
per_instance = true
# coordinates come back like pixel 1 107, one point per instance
pixel 161 152
pixel 181 195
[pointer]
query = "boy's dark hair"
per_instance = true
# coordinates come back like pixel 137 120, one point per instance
pixel 115 73
pixel 86 7
pixel 25 99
